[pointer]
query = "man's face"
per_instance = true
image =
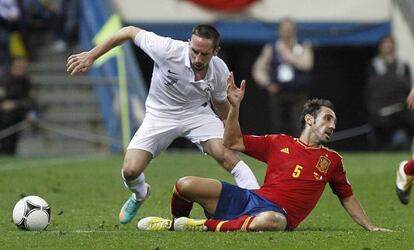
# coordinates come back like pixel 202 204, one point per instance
pixel 287 30
pixel 387 47
pixel 324 125
pixel 201 51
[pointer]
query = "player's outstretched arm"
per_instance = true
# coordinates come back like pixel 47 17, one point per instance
pixel 233 137
pixel 355 210
pixel 83 61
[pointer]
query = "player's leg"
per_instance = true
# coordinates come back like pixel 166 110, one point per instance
pixel 264 221
pixel 242 173
pixel 180 206
pixel 135 161
pixel 206 130
pixel 132 173
pixel 153 136
pixel 237 209
pixel 404 180
pixel 187 190
pixel 268 221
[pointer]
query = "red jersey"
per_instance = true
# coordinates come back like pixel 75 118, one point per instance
pixel 296 174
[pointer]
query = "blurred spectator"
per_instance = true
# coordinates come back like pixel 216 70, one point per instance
pixel 60 16
pixel 66 23
pixel 15 102
pixel 283 68
pixel 39 14
pixel 389 84
pixel 9 15
pixel 4 50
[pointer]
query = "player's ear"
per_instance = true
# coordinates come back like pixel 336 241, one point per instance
pixel 309 119
pixel 216 50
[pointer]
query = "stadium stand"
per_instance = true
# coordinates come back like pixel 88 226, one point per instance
pixel 68 118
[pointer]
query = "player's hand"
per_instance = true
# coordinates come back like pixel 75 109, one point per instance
pixel 379 229
pixel 410 100
pixel 234 94
pixel 373 228
pixel 79 63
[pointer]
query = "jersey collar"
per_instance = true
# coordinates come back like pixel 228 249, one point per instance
pixel 301 143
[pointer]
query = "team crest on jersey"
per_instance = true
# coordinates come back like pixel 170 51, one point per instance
pixel 323 164
pixel 207 88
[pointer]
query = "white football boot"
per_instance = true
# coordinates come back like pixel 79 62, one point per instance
pixel 155 224
pixel 187 224
pixel 404 183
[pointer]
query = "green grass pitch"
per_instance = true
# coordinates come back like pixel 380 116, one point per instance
pixel 86 193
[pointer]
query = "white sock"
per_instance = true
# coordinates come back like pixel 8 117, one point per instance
pixel 244 176
pixel 137 186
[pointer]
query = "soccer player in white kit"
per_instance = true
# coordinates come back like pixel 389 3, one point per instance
pixel 187 78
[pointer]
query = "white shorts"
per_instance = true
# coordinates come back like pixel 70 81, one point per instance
pixel 155 134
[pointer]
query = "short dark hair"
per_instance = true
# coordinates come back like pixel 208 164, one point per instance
pixel 312 107
pixel 208 32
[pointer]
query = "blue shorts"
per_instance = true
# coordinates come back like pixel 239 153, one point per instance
pixel 235 202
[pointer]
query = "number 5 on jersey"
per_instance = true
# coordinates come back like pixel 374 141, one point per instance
pixel 297 171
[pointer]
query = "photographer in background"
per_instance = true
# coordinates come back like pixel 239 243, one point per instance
pixel 283 69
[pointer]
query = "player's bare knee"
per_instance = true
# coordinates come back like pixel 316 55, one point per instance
pixel 185 184
pixel 279 222
pixel 276 221
pixel 130 170
pixel 268 221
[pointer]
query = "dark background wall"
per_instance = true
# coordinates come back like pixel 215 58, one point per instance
pixel 339 75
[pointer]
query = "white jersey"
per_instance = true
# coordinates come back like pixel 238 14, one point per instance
pixel 173 90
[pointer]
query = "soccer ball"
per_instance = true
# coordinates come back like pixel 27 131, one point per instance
pixel 31 213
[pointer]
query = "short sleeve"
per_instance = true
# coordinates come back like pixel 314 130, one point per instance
pixel 257 146
pixel 339 182
pixel 157 47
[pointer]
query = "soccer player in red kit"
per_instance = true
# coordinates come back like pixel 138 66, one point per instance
pixel 297 171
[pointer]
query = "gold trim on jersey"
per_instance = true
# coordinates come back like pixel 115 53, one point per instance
pixel 305 145
pixel 318 147
pixel 333 151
